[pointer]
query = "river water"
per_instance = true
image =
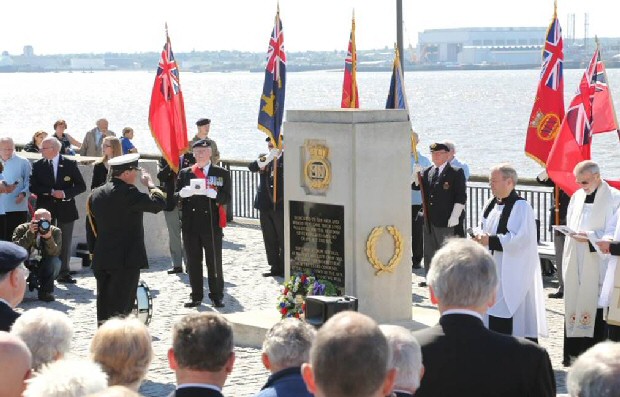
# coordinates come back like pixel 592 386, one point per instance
pixel 484 112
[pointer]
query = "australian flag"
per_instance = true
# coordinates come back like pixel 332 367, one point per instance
pixel 397 99
pixel 271 110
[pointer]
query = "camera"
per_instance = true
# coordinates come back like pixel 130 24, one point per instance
pixel 44 226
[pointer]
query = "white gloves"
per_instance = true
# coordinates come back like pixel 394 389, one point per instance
pixel 456 213
pixel 270 156
pixel 188 191
pixel 211 193
pixel 417 169
pixel 543 176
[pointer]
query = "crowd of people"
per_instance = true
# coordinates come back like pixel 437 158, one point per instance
pixel 487 283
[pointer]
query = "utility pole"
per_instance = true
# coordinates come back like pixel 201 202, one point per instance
pixel 399 33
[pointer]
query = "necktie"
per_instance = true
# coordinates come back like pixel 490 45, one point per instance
pixel 50 165
pixel 435 176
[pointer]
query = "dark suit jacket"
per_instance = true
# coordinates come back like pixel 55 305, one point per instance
pixel 198 211
pixel 440 198
pixel 68 179
pixel 7 317
pixel 196 392
pixel 285 383
pixel 167 180
pixel 463 358
pixel 117 209
pixel 264 194
pixel 100 175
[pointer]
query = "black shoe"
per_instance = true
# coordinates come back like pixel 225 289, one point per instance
pixel 273 274
pixel 416 266
pixel 47 297
pixel 422 284
pixel 66 279
pixel 72 272
pixel 218 303
pixel 175 270
pixel 192 303
pixel 559 294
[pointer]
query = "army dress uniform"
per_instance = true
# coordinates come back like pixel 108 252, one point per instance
pixel 116 238
pixel 202 219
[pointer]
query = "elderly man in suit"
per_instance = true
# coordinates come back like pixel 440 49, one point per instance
pixel 406 358
pixel 202 354
pixel 463 358
pixel 91 146
pixel 350 357
pixel 56 180
pixel 443 200
pixel 13 276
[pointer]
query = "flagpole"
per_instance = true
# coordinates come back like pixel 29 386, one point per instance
pixel 611 99
pixel 399 29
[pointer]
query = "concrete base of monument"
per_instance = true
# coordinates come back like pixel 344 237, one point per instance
pixel 250 327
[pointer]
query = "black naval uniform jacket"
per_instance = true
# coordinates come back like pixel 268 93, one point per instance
pixel 439 199
pixel 7 316
pixel 68 179
pixel 264 195
pixel 198 211
pixel 117 210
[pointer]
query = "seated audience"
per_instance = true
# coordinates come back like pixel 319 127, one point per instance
pixel 122 346
pixel 406 358
pixel 15 364
pixel 202 354
pixel 349 357
pixel 34 146
pixel 461 356
pixel 67 378
pixel 13 276
pixel 286 346
pixel 46 332
pixel 596 373
pixel 44 248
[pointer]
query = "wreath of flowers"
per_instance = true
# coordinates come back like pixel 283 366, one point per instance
pixel 292 300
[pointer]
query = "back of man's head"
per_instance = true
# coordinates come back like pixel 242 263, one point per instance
pixel 463 274
pixel 287 344
pixel 15 363
pixel 596 373
pixel 202 342
pixel 406 357
pixel 67 378
pixel 349 357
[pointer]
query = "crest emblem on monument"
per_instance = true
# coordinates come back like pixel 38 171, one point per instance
pixel 316 168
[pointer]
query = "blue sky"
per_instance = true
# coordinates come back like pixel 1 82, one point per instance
pixel 74 26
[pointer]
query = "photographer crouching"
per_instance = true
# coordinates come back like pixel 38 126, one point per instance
pixel 43 241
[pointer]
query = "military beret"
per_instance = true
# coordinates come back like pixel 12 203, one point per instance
pixel 202 122
pixel 124 162
pixel 201 143
pixel 437 146
pixel 11 256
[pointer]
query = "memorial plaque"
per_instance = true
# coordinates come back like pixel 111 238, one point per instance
pixel 317 240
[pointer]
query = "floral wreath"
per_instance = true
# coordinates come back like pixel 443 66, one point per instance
pixel 292 300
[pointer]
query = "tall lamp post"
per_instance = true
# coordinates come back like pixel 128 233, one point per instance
pixel 399 33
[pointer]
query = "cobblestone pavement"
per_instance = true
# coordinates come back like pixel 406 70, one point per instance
pixel 245 289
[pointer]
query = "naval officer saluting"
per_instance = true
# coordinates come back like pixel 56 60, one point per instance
pixel 203 189
pixel 116 234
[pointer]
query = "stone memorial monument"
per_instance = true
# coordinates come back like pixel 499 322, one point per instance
pixel 347 205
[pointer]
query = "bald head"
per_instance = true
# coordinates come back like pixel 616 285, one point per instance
pixel 349 357
pixel 15 361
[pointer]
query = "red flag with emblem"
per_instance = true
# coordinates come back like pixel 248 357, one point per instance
pixel 575 138
pixel 349 87
pixel 167 111
pixel 548 109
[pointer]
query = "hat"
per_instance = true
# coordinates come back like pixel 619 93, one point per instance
pixel 11 256
pixel 201 143
pixel 202 122
pixel 124 162
pixel 437 146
